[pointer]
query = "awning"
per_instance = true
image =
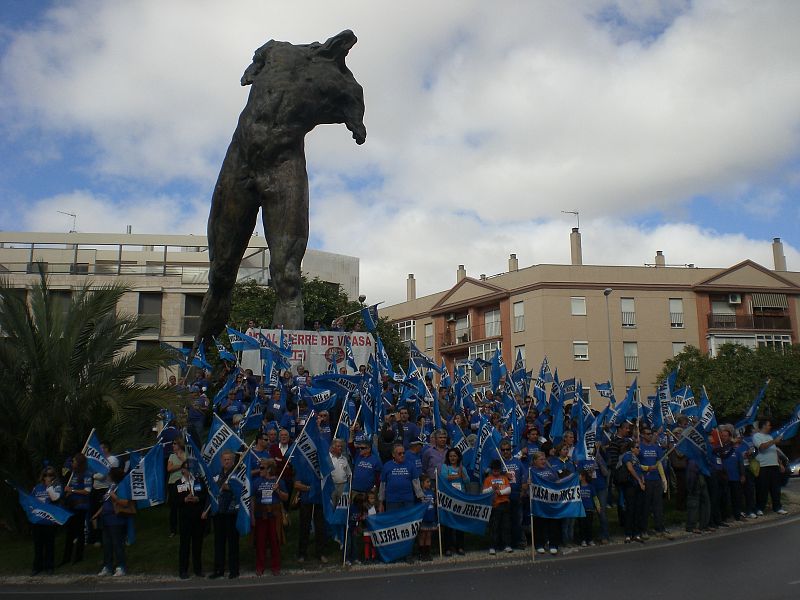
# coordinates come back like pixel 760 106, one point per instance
pixel 770 301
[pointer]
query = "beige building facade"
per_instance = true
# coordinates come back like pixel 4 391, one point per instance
pixel 565 312
pixel 167 274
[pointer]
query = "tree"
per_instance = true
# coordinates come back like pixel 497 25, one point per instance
pixel 734 377
pixel 67 366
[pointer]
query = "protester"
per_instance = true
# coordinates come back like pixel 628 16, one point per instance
pixel 77 493
pixel 768 483
pixel 174 465
pixel 429 522
pixel 453 471
pixel 225 533
pixel 114 513
pixel 47 491
pixel 191 500
pixel 267 515
pixel 500 522
pixel 630 478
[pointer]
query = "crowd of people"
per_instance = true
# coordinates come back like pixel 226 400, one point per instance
pixel 631 470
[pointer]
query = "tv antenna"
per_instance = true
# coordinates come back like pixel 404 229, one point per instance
pixel 74 218
pixel 574 212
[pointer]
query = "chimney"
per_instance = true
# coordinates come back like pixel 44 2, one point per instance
pixel 411 288
pixel 575 247
pixel 777 254
pixel 483 276
pixel 660 260
pixel 513 263
pixel 129 229
pixel 461 273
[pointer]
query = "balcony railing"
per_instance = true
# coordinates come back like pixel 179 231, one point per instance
pixel 453 337
pixel 765 322
pixel 676 320
pixel 631 364
pixel 628 318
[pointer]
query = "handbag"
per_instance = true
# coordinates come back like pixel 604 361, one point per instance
pixel 124 507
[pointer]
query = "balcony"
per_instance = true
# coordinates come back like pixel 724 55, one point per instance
pixel 763 322
pixel 465 335
pixel 631 364
pixel 676 320
pixel 628 318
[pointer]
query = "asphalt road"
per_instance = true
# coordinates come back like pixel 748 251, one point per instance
pixel 758 562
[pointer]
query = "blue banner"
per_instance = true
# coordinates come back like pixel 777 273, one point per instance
pixel 393 533
pixel 462 511
pixel 95 457
pixel 220 437
pixel 144 483
pixel 40 513
pixel 556 499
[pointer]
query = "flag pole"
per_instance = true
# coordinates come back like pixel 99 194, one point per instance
pixel 286 459
pixel 347 521
pixel 530 496
pixel 83 451
pixel 438 520
pixel 355 312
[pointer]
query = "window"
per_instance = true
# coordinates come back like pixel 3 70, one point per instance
pixel 491 322
pixel 519 317
pixel 677 348
pixel 191 313
pixel 723 315
pixel 486 352
pixel 630 351
pixel 580 350
pixel 149 377
pixel 61 299
pixel 462 329
pixel 407 331
pixel 780 343
pixel 428 336
pixel 578 305
pixel 676 313
pixel 150 311
pixel 628 312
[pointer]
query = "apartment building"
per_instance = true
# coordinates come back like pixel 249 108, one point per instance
pixel 168 274
pixel 601 322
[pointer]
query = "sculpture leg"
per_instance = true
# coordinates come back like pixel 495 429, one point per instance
pixel 234 209
pixel 285 213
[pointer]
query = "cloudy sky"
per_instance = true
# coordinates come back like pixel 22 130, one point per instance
pixel 670 125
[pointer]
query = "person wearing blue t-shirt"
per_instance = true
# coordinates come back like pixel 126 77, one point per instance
pixel 588 499
pixel 47 491
pixel 399 482
pixel 546 532
pixel 407 431
pixel 77 492
pixel 632 485
pixel 367 467
pixel 429 523
pixel 655 481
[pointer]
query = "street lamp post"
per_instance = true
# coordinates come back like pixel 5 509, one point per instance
pixel 607 293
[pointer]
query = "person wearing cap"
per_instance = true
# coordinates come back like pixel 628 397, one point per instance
pixel 367 467
pixel 434 455
pixel 414 454
pixel 192 500
pixel 499 523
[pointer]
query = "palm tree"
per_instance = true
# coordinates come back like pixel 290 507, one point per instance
pixel 69 366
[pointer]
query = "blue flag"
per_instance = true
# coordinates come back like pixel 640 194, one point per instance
pixel 144 483
pixel 40 513
pixel 346 418
pixel 556 411
pixel 393 533
pixel 348 354
pixel 789 429
pixel 319 399
pixel 384 363
pixel 461 442
pixel 752 412
pixel 445 381
pixel 605 391
pixel 252 417
pixel 201 470
pixel 230 383
pixel 498 369
pixel 462 511
pixel 370 316
pixel 556 499
pixel 241 341
pixel 421 359
pixel 241 485
pixel 694 445
pixel 486 448
pixel 199 359
pixel 95 457
pixel 220 437
pixel 708 420
pixel 223 352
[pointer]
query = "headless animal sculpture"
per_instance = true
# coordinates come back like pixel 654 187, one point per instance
pixel 294 89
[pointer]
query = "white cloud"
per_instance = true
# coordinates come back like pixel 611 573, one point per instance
pixel 484 122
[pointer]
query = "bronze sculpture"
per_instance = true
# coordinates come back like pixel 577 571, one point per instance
pixel 294 89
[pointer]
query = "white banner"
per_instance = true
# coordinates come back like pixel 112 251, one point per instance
pixel 314 349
